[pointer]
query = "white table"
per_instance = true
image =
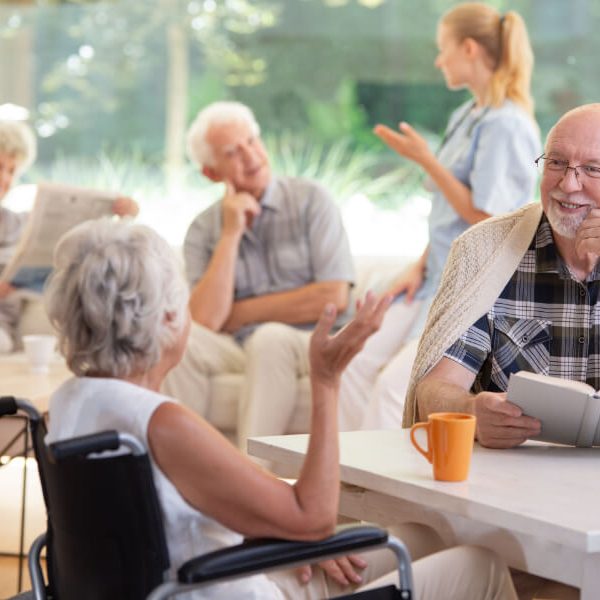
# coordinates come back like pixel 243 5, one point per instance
pixel 536 505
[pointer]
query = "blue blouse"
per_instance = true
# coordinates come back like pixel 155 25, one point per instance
pixel 491 151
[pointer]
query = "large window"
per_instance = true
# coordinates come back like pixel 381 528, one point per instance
pixel 111 87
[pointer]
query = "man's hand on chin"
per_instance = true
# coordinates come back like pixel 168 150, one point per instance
pixel 587 240
pixel 239 210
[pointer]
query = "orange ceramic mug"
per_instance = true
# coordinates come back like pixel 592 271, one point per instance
pixel 449 444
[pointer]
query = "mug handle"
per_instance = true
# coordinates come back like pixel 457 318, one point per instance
pixel 425 453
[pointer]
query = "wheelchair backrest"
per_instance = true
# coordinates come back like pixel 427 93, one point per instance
pixel 105 531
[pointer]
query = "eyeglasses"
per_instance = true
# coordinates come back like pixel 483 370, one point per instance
pixel 555 165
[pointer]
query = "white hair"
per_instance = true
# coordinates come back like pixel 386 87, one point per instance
pixel 198 149
pixel 117 297
pixel 17 140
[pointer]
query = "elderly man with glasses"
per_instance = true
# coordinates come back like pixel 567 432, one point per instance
pixel 520 292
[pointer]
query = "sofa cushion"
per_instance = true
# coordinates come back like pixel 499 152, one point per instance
pixel 224 395
pixel 34 318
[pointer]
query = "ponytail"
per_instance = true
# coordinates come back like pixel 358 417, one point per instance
pixel 512 76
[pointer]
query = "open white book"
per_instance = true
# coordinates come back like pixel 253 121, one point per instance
pixel 568 410
pixel 57 209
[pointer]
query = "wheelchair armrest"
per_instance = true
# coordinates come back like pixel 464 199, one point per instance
pixel 95 442
pixel 262 555
pixel 85 444
pixel 8 405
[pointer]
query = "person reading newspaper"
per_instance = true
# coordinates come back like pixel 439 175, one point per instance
pixel 17 153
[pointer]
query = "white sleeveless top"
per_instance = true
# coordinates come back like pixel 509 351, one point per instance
pixel 89 405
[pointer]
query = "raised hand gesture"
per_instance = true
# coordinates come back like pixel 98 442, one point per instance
pixel 406 142
pixel 329 355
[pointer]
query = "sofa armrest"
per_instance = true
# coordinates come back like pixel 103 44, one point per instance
pixel 33 318
pixel 377 273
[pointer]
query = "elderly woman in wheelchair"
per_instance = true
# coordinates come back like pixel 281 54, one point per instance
pixel 119 304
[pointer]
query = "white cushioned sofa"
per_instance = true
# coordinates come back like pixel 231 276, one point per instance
pixel 33 318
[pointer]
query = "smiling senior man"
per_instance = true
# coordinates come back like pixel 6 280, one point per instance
pixel 262 263
pixel 520 292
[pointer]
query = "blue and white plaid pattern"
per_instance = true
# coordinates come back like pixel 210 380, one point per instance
pixel 544 321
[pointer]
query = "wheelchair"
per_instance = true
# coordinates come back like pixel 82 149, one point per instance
pixel 105 537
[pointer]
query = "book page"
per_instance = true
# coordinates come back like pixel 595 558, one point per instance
pixel 57 209
pixel 568 384
pixel 560 405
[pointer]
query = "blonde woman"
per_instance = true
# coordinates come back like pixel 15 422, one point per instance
pixel 482 167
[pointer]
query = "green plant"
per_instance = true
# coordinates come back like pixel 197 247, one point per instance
pixel 343 169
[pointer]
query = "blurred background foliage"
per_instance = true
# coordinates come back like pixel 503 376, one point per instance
pixel 111 86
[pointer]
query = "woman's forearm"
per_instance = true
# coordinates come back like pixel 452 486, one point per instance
pixel 458 195
pixel 317 488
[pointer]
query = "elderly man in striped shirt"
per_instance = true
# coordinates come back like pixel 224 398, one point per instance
pixel 262 263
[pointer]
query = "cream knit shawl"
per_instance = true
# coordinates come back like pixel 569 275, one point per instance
pixel 480 263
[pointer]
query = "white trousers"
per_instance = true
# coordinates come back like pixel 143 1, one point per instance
pixel 271 360
pixel 207 354
pixel 461 573
pixel 374 385
pixel 276 358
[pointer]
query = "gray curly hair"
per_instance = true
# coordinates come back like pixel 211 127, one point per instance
pixel 198 149
pixel 117 297
pixel 17 140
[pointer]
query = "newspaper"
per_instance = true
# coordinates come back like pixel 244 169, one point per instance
pixel 57 208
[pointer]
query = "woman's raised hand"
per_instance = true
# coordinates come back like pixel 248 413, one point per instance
pixel 406 142
pixel 330 354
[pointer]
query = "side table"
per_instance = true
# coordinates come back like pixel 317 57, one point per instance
pixel 16 379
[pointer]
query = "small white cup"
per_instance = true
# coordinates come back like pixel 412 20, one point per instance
pixel 39 350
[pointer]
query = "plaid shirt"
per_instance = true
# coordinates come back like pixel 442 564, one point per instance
pixel 544 321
